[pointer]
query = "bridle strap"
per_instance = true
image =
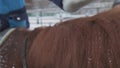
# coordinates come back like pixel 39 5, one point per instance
pixel 24 62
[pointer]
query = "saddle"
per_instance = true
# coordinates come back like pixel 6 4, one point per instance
pixel 4 34
pixel 11 48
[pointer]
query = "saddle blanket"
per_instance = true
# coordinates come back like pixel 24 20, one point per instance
pixel 4 34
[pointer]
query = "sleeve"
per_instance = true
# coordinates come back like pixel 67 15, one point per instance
pixel 116 2
pixel 17 13
pixel 14 13
pixel 14 4
pixel 3 8
pixel 59 3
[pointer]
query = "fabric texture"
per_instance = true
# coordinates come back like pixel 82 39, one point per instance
pixel 13 14
pixel 58 3
pixel 116 2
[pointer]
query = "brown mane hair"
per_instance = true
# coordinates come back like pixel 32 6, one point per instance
pixel 92 42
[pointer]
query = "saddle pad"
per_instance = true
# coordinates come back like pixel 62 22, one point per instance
pixel 5 34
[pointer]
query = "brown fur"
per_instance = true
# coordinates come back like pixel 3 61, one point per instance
pixel 81 43
pixel 91 42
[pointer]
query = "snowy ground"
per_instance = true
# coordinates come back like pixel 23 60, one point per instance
pixel 41 22
pixel 49 21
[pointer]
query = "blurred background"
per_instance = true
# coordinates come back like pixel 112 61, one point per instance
pixel 45 13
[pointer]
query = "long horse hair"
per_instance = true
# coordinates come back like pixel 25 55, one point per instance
pixel 91 42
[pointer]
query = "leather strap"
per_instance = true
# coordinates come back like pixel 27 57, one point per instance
pixel 24 62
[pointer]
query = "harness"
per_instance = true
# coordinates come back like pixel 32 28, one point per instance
pixel 24 62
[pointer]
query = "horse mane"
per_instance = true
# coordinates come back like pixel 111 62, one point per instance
pixel 90 42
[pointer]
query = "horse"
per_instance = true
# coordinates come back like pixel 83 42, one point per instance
pixel 89 42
